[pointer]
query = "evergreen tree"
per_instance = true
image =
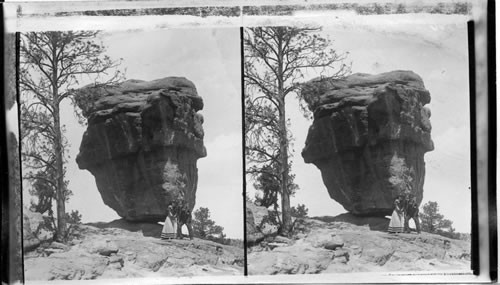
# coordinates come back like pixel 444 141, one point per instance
pixel 300 211
pixel 433 221
pixel 51 67
pixel 205 228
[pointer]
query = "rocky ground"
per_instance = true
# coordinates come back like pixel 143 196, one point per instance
pixel 102 253
pixel 337 247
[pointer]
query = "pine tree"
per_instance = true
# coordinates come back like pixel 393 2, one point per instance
pixel 51 67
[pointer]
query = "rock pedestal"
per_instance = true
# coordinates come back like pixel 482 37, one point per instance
pixel 142 143
pixel 369 137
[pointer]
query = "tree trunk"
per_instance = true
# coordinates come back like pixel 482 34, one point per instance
pixel 285 194
pixel 60 199
pixel 58 152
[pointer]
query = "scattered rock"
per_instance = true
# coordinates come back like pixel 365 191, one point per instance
pixel 378 255
pixel 465 256
pixel 105 247
pixel 356 250
pixel 369 137
pixel 64 266
pixel 142 143
pixel 289 260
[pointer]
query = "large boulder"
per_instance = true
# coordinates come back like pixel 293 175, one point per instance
pixel 259 223
pixel 35 230
pixel 142 143
pixel 369 137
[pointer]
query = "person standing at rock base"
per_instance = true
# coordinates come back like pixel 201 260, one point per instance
pixel 183 217
pixel 396 223
pixel 170 227
pixel 411 212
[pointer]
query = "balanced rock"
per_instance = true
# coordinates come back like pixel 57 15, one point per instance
pixel 142 143
pixel 369 137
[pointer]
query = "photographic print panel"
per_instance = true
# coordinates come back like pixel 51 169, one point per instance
pixel 141 126
pixel 374 106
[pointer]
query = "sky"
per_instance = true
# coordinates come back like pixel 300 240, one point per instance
pixel 210 58
pixel 438 53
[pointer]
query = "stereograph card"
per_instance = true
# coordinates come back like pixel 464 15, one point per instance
pixel 317 141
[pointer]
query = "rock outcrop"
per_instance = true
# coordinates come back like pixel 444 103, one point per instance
pixel 340 247
pixel 142 143
pixel 259 223
pixel 35 231
pixel 107 253
pixel 369 137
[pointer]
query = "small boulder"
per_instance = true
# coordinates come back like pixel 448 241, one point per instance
pixel 273 245
pixel 115 261
pixel 282 239
pixel 356 249
pixel 50 251
pixel 341 256
pixel 377 255
pixel 333 245
pixel 105 248
pixel 58 245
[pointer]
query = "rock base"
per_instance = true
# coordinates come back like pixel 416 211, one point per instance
pixel 116 253
pixel 340 247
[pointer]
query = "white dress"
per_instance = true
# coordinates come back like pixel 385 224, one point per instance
pixel 396 223
pixel 169 228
